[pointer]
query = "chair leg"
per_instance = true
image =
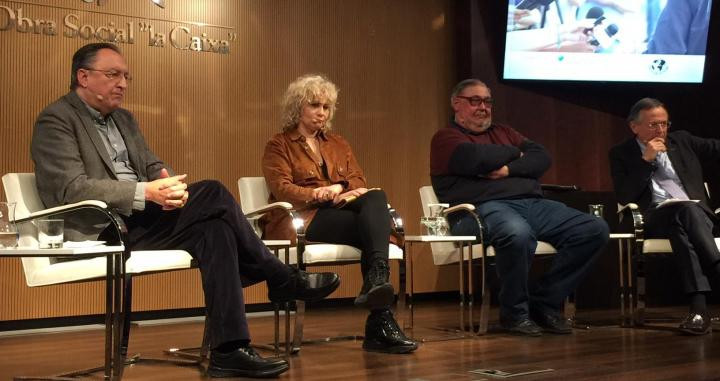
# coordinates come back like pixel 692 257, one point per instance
pixel 275 345
pixel 640 282
pixel 485 307
pixel 136 359
pixel 190 353
pixel 400 312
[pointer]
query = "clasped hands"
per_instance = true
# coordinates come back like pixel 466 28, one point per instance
pixel 170 192
pixel 334 193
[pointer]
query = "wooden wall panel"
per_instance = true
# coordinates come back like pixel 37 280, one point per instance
pixel 209 115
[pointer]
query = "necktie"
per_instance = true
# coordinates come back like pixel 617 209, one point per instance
pixel 664 176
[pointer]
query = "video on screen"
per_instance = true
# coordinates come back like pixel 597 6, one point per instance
pixel 607 40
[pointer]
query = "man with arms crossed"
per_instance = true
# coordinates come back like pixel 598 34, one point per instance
pixel 654 166
pixel 492 166
pixel 86 147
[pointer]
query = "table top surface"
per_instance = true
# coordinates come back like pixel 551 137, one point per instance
pixel 276 242
pixel 440 238
pixel 92 251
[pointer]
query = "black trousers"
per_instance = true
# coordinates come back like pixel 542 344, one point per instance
pixel 363 223
pixel 690 231
pixel 213 229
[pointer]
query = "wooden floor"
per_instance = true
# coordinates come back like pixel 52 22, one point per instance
pixel 601 353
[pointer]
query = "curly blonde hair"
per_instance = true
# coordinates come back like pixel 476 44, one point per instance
pixel 303 91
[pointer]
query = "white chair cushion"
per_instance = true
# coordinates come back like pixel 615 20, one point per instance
pixel 158 260
pixel 322 252
pixel 659 246
pixel 445 253
pixel 38 271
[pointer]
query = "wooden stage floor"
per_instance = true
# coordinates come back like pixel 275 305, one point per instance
pixel 604 352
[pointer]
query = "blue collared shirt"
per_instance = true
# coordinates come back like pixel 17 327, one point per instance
pixel 117 150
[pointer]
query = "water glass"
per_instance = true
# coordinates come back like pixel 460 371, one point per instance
pixel 50 234
pixel 596 210
pixel 436 223
pixel 8 230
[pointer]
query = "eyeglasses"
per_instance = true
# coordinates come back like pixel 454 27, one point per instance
pixel 655 126
pixel 477 101
pixel 114 75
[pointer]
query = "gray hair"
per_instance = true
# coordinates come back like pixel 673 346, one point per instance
pixel 643 104
pixel 462 85
pixel 305 90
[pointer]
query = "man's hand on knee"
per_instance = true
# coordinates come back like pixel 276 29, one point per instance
pixel 168 192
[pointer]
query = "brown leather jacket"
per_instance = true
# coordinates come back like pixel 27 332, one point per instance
pixel 292 171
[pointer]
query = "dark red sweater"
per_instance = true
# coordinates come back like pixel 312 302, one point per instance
pixel 460 159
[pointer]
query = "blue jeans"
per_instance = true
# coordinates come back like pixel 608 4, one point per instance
pixel 513 228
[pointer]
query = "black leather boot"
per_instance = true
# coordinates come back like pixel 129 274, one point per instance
pixel 376 292
pixel 382 334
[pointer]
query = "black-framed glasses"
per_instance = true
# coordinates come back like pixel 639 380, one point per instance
pixel 477 101
pixel 113 75
pixel 655 126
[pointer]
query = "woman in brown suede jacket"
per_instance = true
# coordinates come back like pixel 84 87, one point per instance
pixel 313 168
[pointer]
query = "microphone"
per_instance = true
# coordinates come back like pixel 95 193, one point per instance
pixel 597 14
pixel 603 37
pixel 594 13
pixel 532 4
pixel 97 96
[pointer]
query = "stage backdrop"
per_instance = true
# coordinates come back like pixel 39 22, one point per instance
pixel 208 78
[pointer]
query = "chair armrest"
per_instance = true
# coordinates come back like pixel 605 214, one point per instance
pixel 397 220
pixel 638 221
pixel 266 208
pixel 559 188
pixel 87 204
pixel 628 206
pixel 97 205
pixel 459 208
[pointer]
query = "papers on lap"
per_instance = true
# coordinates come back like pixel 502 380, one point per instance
pixel 672 201
pixel 346 200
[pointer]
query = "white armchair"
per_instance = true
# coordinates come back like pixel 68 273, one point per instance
pixel 20 188
pixel 642 249
pixel 445 253
pixel 254 195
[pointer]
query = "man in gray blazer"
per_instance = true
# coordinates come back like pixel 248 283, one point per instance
pixel 86 147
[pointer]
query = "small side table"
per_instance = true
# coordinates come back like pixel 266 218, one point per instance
pixel 114 275
pixel 465 301
pixel 625 268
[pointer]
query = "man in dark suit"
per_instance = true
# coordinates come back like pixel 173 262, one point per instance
pixel 656 165
pixel 86 147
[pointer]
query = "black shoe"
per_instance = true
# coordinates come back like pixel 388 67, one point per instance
pixel 522 326
pixel 376 292
pixel 304 286
pixel 382 334
pixel 696 324
pixel 244 362
pixel 551 322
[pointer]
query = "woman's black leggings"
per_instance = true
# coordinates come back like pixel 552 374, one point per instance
pixel 363 223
